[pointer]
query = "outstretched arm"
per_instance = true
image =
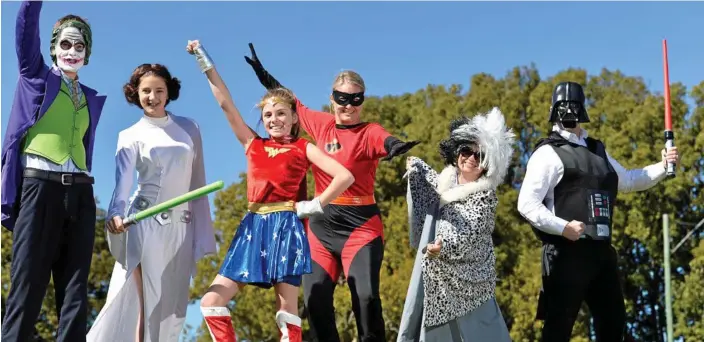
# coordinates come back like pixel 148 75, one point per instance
pixel 381 144
pixel 342 179
pixel 265 78
pixel 244 133
pixel 27 42
pixel 312 121
pixel 421 194
pixel 645 178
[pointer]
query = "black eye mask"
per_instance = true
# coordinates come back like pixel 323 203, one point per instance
pixel 344 99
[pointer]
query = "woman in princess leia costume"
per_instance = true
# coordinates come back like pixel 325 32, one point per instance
pixel 149 289
pixel 451 294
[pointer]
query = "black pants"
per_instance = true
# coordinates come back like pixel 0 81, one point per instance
pixel 53 236
pixel 585 270
pixel 348 239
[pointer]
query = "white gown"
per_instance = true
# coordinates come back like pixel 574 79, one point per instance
pixel 167 155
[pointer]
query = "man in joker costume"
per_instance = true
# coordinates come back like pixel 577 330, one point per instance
pixel 47 191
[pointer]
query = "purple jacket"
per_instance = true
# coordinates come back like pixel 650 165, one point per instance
pixel 37 88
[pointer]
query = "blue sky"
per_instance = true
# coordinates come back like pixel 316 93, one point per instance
pixel 397 46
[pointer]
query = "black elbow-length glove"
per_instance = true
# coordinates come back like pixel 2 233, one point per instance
pixel 395 147
pixel 268 81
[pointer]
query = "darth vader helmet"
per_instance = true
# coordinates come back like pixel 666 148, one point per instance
pixel 568 105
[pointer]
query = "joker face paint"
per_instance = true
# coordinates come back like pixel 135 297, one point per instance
pixel 70 50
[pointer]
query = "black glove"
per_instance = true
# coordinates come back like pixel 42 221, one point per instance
pixel 395 147
pixel 268 81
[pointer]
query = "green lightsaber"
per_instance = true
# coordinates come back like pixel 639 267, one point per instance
pixel 165 206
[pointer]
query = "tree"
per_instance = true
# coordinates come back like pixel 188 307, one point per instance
pixel 98 280
pixel 624 114
pixel 688 306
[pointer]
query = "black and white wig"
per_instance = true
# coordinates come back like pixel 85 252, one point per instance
pixel 487 133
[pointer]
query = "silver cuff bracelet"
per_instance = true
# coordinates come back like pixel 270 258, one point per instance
pixel 204 61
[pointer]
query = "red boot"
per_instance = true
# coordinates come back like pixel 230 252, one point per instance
pixel 289 326
pixel 219 323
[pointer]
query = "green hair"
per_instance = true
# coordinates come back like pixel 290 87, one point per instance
pixel 82 27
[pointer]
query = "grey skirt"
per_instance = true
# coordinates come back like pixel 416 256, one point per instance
pixel 485 324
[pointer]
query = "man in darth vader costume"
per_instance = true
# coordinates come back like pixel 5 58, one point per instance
pixel 568 196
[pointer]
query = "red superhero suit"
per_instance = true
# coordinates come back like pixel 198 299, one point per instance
pixel 349 237
pixel 271 179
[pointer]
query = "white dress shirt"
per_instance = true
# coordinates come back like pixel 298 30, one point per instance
pixel 544 171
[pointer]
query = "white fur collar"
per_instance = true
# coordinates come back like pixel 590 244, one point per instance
pixel 448 194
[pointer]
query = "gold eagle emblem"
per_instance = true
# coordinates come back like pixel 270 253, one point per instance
pixel 274 151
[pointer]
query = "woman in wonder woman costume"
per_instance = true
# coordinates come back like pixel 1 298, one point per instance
pixel 350 233
pixel 269 247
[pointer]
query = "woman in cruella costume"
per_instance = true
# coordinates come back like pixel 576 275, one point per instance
pixel 451 293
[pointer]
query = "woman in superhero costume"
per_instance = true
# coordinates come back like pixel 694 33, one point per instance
pixel 349 236
pixel 269 247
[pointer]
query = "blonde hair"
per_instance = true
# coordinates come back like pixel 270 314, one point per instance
pixel 285 97
pixel 348 76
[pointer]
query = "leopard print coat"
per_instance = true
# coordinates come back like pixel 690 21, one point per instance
pixel 462 276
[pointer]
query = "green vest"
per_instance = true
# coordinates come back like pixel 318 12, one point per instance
pixel 58 135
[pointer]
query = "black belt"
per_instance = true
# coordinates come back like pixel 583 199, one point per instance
pixel 65 178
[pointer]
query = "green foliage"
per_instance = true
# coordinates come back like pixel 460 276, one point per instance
pixel 688 288
pixel 624 114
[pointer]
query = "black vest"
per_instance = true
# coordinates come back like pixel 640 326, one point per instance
pixel 587 190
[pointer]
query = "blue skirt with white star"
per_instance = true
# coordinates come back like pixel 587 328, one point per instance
pixel 268 249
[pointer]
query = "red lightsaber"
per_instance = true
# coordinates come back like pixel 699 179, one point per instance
pixel 669 134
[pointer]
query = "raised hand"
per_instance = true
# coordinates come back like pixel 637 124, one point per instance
pixel 204 61
pixel 409 162
pixel 670 155
pixel 268 81
pixel 192 46
pixel 254 61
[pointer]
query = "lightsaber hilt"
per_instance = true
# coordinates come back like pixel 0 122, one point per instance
pixel 203 58
pixel 129 221
pixel 669 143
